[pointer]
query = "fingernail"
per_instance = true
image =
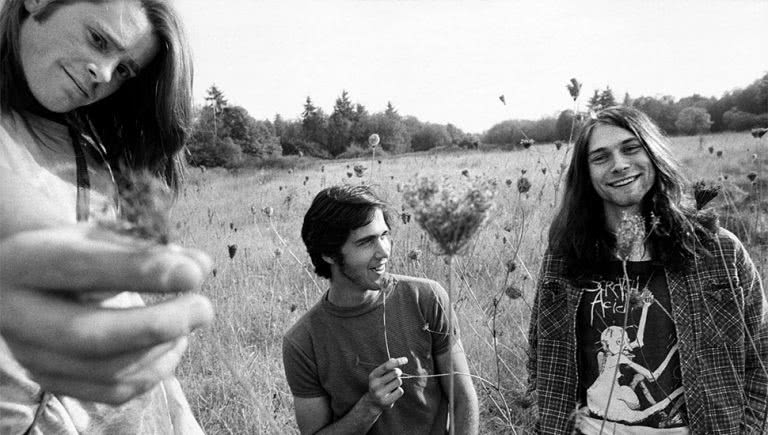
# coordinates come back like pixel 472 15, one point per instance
pixel 201 258
pixel 201 312
pixel 185 275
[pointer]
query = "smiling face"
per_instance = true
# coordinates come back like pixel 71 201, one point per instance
pixel 363 262
pixel 620 170
pixel 83 52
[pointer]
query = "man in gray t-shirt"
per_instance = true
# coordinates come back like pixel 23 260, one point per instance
pixel 372 355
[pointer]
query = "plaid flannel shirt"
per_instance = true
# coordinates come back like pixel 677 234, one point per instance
pixel 721 316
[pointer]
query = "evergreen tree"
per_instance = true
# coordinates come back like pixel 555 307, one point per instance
pixel 215 98
pixel 391 111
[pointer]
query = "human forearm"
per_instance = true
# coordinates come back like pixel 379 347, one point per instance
pixel 358 420
pixel 466 413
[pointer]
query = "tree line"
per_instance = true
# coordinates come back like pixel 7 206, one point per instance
pixel 226 135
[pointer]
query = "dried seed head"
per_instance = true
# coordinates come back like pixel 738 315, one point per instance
pixel 704 192
pixel 511 266
pixel 359 170
pixel 268 211
pixel 450 215
pixel 757 133
pixel 752 176
pixel 574 88
pixel 232 250
pixel 630 235
pixel 414 254
pixel 373 140
pixel 513 292
pixel 145 204
pixel 523 185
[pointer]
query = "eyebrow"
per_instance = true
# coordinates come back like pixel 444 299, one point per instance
pixel 624 142
pixel 372 236
pixel 120 48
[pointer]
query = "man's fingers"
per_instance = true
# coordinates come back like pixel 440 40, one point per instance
pixel 390 364
pixel 84 390
pixel 146 366
pixel 85 258
pixel 91 331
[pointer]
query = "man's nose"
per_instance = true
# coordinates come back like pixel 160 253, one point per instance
pixel 383 247
pixel 620 163
pixel 101 71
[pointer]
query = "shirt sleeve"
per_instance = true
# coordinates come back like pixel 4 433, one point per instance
pixel 437 320
pixel 301 371
pixel 756 322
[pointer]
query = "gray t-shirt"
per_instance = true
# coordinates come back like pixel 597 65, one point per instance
pixel 331 350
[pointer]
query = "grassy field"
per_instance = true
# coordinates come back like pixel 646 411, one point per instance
pixel 232 372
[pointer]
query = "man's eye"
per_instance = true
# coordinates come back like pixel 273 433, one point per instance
pixel 98 41
pixel 124 72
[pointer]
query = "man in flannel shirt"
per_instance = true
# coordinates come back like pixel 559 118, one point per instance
pixel 649 318
pixel 372 355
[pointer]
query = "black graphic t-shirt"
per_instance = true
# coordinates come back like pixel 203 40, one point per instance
pixel 629 361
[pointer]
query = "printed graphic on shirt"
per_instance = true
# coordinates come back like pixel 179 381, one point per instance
pixel 630 365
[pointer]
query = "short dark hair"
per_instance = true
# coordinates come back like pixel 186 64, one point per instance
pixel 335 212
pixel 578 229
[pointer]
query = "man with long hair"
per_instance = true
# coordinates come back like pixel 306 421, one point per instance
pixel 649 317
pixel 373 355
pixel 91 91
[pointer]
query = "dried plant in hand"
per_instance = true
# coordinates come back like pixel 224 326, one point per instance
pixel 451 215
pixel 144 207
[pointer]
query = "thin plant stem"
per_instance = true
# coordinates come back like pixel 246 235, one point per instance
pixel 288 248
pixel 384 318
pixel 450 346
pixel 625 286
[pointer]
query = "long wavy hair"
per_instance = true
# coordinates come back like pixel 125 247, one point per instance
pixel 144 124
pixel 578 232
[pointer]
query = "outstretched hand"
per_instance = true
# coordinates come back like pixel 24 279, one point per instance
pixel 51 282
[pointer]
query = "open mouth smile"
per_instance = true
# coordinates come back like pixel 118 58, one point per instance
pixel 624 181
pixel 380 268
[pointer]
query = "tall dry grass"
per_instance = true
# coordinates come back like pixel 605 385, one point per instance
pixel 232 372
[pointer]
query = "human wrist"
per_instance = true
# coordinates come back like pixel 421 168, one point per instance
pixel 369 406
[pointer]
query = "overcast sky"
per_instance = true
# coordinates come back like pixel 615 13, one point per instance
pixel 449 61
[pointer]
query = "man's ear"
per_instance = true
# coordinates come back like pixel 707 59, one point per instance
pixel 35 6
pixel 329 259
